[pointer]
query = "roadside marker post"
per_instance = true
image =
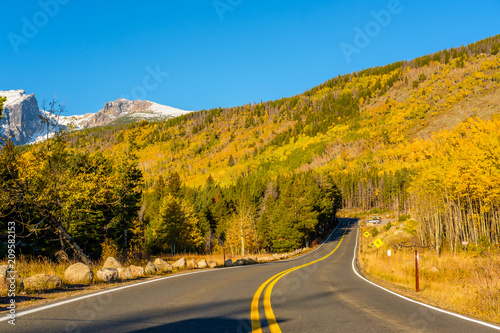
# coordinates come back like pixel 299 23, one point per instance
pixel 389 258
pixel 378 243
pixel 416 271
pixel 366 234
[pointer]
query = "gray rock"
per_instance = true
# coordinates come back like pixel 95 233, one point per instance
pixel 21 121
pixel 202 263
pixel 212 264
pixel 191 263
pixel 239 262
pixel 41 282
pixel 151 268
pixel 250 260
pixel 107 274
pixel 78 274
pixel 228 262
pixel 9 278
pixel 112 263
pixel 181 263
pixel 266 259
pixel 4 269
pixel 125 274
pixel 163 265
pixel 137 271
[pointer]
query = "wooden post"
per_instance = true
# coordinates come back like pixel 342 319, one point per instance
pixel 416 271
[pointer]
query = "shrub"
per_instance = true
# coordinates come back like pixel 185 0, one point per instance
pixel 403 218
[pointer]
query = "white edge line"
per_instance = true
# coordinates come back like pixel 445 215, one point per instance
pixel 7 317
pixel 414 301
pixel 23 313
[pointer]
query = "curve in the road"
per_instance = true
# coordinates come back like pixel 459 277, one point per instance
pixel 268 286
pixel 324 297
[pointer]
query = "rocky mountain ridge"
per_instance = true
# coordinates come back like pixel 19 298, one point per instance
pixel 22 123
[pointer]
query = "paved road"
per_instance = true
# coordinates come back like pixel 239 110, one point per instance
pixel 326 296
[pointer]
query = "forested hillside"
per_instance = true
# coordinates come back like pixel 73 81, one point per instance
pixel 271 175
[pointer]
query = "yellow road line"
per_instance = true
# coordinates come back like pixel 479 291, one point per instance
pixel 254 313
pixel 271 319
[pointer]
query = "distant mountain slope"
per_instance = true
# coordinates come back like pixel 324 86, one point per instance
pixel 123 111
pixel 21 116
pixel 349 123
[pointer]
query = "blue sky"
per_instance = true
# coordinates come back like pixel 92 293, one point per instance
pixel 202 54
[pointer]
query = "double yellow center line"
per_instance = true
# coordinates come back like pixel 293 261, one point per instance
pixel 268 286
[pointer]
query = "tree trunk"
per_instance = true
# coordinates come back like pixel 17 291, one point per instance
pixel 71 242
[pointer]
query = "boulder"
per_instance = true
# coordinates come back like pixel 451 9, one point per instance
pixel 212 264
pixel 434 270
pixel 181 263
pixel 250 260
pixel 112 263
pixel 228 262
pixel 9 279
pixel 266 259
pixel 191 263
pixel 42 282
pixel 78 274
pixel 3 271
pixel 137 271
pixel 125 273
pixel 202 263
pixel 5 275
pixel 163 265
pixel 151 268
pixel 239 262
pixel 107 274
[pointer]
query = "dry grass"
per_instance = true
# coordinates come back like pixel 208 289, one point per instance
pixel 466 283
pixel 483 106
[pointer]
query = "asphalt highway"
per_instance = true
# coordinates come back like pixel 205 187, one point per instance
pixel 317 292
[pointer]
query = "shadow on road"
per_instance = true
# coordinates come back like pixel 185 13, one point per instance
pixel 171 318
pixel 216 324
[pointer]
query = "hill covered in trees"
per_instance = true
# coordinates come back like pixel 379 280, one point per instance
pixel 417 137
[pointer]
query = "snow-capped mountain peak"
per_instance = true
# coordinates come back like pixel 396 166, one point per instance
pixel 21 116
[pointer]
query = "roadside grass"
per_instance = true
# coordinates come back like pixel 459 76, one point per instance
pixel 467 282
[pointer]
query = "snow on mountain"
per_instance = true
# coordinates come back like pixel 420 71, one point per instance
pixel 21 116
pixel 123 110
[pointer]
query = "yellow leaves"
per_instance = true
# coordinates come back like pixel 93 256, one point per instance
pixel 361 101
pixel 490 64
pixel 479 76
pixel 466 162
